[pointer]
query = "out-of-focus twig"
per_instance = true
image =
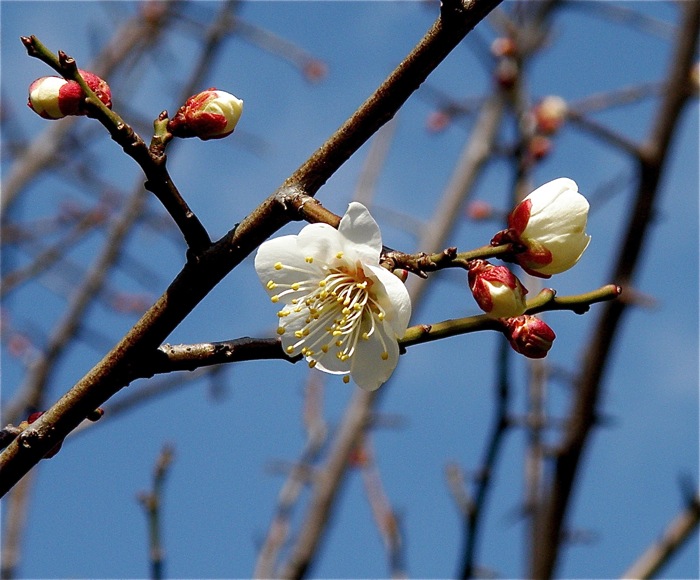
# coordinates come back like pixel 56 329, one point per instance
pixel 385 516
pixel 678 531
pixel 152 502
pixel 473 509
pixel 316 433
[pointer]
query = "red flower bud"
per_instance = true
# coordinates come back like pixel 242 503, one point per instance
pixel 539 147
pixel 315 70
pixel 55 97
pixel 497 291
pixel 211 114
pixel 529 335
pixel 504 46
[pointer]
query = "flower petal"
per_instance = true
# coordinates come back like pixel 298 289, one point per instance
pixel 559 207
pixel 545 194
pixel 393 297
pixel 359 228
pixel 322 242
pixel 566 252
pixel 280 261
pixel 369 368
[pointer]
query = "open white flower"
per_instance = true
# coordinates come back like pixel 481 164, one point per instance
pixel 341 310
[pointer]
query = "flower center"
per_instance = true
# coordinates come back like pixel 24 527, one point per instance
pixel 339 311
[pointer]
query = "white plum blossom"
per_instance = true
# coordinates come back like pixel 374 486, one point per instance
pixel 551 225
pixel 340 309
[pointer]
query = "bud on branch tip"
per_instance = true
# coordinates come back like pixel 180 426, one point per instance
pixel 56 98
pixel 211 114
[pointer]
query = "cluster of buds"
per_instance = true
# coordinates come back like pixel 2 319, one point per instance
pixel 211 114
pixel 56 98
pixel 507 69
pixel 548 233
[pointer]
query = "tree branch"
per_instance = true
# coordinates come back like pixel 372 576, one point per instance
pixel 584 410
pixel 198 277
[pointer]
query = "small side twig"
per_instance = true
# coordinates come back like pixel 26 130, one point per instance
pixel 151 161
pixel 674 536
pixel 152 502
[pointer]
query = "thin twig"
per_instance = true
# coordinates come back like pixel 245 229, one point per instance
pixel 152 502
pixel 678 531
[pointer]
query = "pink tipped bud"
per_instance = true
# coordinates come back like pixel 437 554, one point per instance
pixel 497 291
pixel 529 336
pixel 539 147
pixel 504 46
pixel 55 97
pixel 211 114
pixel 506 73
pixel 479 210
pixel 550 114
pixel 438 121
pixel 315 70
pixel 401 274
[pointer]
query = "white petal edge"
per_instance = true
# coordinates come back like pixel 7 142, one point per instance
pixel 359 228
pixel 393 297
pixel 369 370
pixel 546 193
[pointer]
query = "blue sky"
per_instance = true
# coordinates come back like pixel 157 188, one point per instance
pixel 220 494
